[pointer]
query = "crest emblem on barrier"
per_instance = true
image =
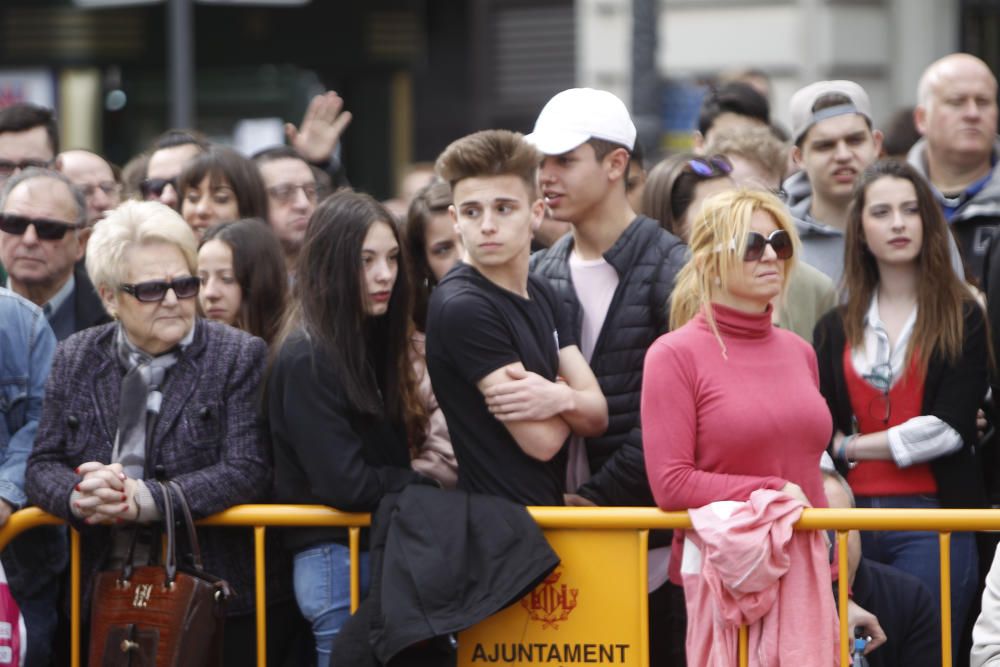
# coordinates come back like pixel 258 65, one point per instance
pixel 551 603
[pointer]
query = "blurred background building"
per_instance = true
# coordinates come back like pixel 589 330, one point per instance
pixel 418 73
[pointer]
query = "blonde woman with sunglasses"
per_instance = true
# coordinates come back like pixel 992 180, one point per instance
pixel 903 366
pixel 731 403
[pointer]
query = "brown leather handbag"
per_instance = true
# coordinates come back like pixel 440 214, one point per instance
pixel 159 615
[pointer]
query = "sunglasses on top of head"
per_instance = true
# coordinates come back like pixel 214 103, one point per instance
pixel 156 290
pixel 711 166
pixel 45 229
pixel 779 240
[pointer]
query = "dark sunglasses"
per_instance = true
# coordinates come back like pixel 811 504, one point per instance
pixel 47 230
pixel 156 290
pixel 154 187
pixel 711 166
pixel 756 242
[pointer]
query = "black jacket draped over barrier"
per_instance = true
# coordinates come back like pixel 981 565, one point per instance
pixel 441 561
pixel 647 259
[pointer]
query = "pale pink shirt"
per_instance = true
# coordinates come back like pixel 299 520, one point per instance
pixel 595 282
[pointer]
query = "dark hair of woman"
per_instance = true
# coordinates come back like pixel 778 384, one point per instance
pixel 430 200
pixel 941 295
pixel 372 354
pixel 224 164
pixel 670 188
pixel 259 269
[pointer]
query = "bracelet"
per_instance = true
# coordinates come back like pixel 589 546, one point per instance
pixel 843 455
pixel 850 448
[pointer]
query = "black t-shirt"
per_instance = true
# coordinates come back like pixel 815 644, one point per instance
pixel 475 327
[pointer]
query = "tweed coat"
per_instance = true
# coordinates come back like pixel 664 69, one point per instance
pixel 208 438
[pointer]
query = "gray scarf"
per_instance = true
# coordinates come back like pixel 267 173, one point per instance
pixel 140 400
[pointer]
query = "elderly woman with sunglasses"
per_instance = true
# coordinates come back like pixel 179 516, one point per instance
pixel 158 394
pixel 903 366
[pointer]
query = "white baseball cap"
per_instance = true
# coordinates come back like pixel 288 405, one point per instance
pixel 803 101
pixel 578 114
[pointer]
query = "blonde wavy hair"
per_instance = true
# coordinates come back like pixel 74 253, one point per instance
pixel 718 241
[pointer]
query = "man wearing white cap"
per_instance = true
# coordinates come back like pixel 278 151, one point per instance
pixel 613 274
pixel 834 142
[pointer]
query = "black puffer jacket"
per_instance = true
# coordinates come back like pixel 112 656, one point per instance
pixel 647 259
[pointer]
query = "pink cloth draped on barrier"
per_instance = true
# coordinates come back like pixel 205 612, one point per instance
pixel 744 564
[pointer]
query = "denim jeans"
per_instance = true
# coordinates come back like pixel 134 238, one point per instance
pixel 917 553
pixel 322 576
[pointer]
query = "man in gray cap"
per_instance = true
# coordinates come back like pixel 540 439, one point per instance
pixel 834 142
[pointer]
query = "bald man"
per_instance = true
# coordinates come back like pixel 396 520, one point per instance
pixel 94 177
pixel 956 113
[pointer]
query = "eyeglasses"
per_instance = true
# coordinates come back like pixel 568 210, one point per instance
pixel 711 166
pixel 153 187
pixel 45 229
pixel 107 187
pixel 779 240
pixel 285 192
pixel 156 290
pixel 880 377
pixel 7 168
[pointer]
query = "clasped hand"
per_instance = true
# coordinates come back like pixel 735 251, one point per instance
pixel 105 494
pixel 527 397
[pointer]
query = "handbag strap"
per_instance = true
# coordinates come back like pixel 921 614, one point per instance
pixel 189 523
pixel 168 516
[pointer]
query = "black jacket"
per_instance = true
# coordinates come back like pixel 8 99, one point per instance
pixel 88 311
pixel 325 452
pixel 647 259
pixel 442 561
pixel 907 612
pixel 952 392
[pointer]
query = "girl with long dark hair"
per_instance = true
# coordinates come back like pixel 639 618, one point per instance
pixel 341 395
pixel 903 366
pixel 243 277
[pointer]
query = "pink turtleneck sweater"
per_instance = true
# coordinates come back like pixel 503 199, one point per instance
pixel 719 427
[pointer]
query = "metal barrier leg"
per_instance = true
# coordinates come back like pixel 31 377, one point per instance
pixel 261 607
pixel 74 598
pixel 842 577
pixel 945 550
pixel 355 545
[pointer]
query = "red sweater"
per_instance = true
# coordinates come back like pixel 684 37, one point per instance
pixel 717 428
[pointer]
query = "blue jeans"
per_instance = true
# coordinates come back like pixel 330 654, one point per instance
pixel 322 577
pixel 917 553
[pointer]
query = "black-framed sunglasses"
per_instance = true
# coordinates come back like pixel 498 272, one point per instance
pixel 154 187
pixel 156 290
pixel 711 166
pixel 779 240
pixel 45 229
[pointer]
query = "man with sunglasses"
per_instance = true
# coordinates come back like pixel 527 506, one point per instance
pixel 42 234
pixel 167 157
pixel 613 275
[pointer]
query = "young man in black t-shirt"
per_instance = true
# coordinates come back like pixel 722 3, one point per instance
pixel 507 373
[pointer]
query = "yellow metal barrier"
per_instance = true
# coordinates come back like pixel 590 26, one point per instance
pixel 581 518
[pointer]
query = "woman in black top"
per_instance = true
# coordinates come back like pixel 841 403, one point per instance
pixel 341 395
